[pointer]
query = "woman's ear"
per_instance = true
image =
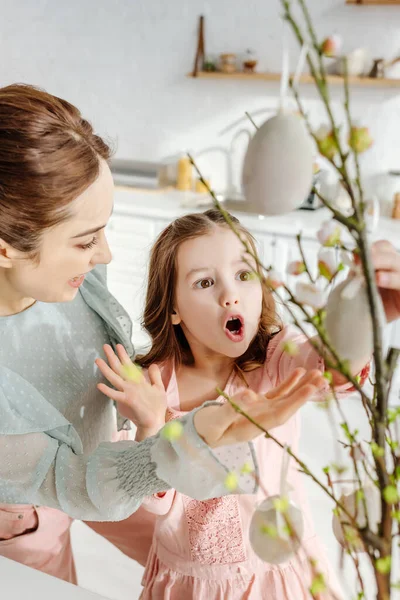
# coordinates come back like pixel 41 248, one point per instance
pixel 175 318
pixel 7 255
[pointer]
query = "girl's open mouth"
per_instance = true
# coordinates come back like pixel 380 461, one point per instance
pixel 234 328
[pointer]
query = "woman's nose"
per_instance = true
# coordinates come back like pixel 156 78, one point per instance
pixel 103 255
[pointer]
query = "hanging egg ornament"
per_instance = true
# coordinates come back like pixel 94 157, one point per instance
pixel 348 320
pixel 346 535
pixel 269 535
pixel 278 166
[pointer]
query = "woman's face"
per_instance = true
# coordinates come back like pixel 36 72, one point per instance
pixel 68 251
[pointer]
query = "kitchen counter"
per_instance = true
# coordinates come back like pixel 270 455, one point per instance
pixel 170 204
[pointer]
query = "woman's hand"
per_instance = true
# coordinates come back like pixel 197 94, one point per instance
pixel 141 402
pixel 386 261
pixel 222 425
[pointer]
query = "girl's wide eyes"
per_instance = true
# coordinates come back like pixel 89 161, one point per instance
pixel 245 275
pixel 203 284
pixel 92 243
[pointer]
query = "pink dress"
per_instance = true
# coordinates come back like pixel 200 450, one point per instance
pixel 201 549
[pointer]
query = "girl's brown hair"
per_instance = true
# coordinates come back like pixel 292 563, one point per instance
pixel 169 341
pixel 49 155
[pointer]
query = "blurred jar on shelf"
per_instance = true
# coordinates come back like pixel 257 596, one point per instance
pixel 228 63
pixel 249 62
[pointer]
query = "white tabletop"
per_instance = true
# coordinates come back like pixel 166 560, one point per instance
pixel 19 583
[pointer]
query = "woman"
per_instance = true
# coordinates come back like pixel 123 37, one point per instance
pixel 56 459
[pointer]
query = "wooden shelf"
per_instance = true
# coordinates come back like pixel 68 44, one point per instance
pixel 333 79
pixel 375 2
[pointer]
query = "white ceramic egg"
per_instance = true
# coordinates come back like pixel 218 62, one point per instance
pixel 278 166
pixel 348 320
pixel 373 504
pixel 275 550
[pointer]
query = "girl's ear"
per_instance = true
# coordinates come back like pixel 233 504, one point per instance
pixel 175 318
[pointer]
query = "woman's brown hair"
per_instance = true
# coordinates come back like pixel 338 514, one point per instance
pixel 169 341
pixel 49 155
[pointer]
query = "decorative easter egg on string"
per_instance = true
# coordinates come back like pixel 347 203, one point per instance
pixel 348 320
pixel 269 535
pixel 346 535
pixel 277 525
pixel 278 166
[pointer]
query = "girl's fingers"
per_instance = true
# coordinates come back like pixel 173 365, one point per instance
pixel 111 393
pixel 112 358
pixel 123 355
pixel 155 377
pixel 109 374
pixel 291 403
pixel 287 385
pixel 313 377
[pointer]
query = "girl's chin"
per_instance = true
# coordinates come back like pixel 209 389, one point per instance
pixel 235 350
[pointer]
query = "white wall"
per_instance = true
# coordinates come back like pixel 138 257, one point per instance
pixel 124 63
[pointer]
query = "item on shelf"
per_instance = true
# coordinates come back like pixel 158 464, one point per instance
pixel 396 206
pixel 184 180
pixel 200 52
pixel 357 63
pixel 210 64
pixel 378 69
pixel 249 62
pixel 228 63
pixel 200 188
pixel 383 68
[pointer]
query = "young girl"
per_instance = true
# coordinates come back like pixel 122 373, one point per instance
pixel 212 325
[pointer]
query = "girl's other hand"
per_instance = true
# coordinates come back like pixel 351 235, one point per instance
pixel 142 402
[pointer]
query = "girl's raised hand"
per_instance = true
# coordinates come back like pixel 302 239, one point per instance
pixel 222 425
pixel 142 402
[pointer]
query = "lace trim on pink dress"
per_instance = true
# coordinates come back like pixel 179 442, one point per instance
pixel 214 526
